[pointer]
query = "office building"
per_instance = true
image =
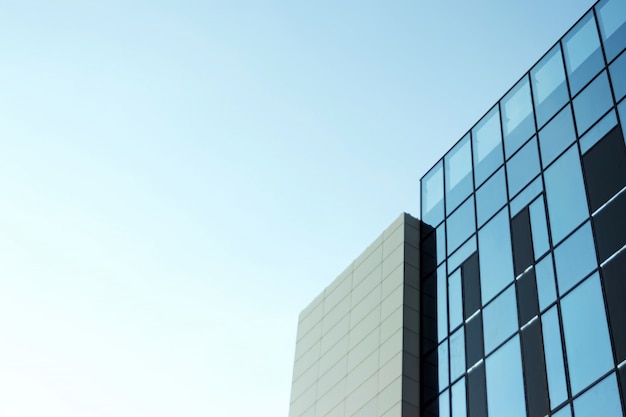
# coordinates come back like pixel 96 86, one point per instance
pixel 522 253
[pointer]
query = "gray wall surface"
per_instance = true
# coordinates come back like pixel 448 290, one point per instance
pixel 357 347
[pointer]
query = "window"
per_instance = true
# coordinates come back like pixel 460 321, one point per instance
pixel 517 117
pixel 496 260
pixel 505 383
pixel 549 88
pixel 487 146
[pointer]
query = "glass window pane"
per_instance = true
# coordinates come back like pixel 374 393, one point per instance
pixel 460 225
pixel 491 197
pixel 556 136
pixel 583 56
pixel 564 412
pixel 487 139
pixel 575 258
pixel 526 196
pixel 432 196
pixel 612 17
pixel 523 167
pixel 546 287
pixel 442 356
pixel 500 319
pixel 622 112
pixel 496 256
pixel 597 132
pixel 442 308
pixel 549 89
pixel 587 342
pixel 444 404
pixel 539 227
pixel 601 400
pixel 553 350
pixel 592 102
pixel 458 163
pixel 462 254
pixel 459 404
pixel 618 76
pixel 457 354
pixel 441 243
pixel 455 294
pixel 565 193
pixel 517 117
pixel 505 383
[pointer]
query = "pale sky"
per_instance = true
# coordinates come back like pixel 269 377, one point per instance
pixel 178 180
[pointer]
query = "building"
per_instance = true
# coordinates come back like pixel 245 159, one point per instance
pixel 522 260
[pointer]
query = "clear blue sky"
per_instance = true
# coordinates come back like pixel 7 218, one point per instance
pixel 179 179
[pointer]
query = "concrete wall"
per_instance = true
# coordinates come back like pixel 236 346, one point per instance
pixel 357 347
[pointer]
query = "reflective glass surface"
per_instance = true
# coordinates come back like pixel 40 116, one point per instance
pixel 523 167
pixel 496 260
pixel 487 146
pixel 455 299
pixel 460 225
pixel 555 366
pixel 597 132
pixel 565 193
pixel 539 227
pixel 549 88
pixel 505 384
pixel 592 102
pixel 526 196
pixel 441 243
pixel 444 404
pixel 500 319
pixel 618 76
pixel 432 196
pixel 601 400
pixel 556 136
pixel 546 287
pixel 457 354
pixel 459 407
pixel 517 117
pixel 575 258
pixel 564 412
pixel 459 183
pixel 583 56
pixel 491 197
pixel 612 18
pixel 622 110
pixel 442 308
pixel 462 253
pixel 442 358
pixel 586 333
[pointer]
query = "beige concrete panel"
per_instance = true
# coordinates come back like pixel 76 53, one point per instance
pixel 337 292
pixel 395 411
pixel 391 324
pixel 364 393
pixel 412 276
pixel 364 327
pixel 370 257
pixel 331 398
pixel 305 381
pixel 392 302
pixel 309 340
pixel 368 410
pixel 391 281
pixel 338 410
pixel 370 344
pixel 411 255
pixel 306 360
pixel 334 354
pixel 409 410
pixel 411 366
pixel 398 222
pixel 341 329
pixel 390 347
pixel 304 401
pixel 335 374
pixel 412 297
pixel 362 372
pixel 334 316
pixel 366 285
pixel 411 319
pixel 411 342
pixel 312 312
pixel 394 239
pixel 390 371
pixel 365 306
pixel 394 260
pixel 411 391
pixel 390 396
pixel 309 412
pixel 412 235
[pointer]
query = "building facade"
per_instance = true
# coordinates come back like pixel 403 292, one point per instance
pixel 523 242
pixel 511 299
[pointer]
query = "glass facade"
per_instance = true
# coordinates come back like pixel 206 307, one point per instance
pixel 526 219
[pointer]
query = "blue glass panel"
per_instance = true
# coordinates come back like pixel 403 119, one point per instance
pixel 441 243
pixel 575 258
pixel 444 404
pixel 583 56
pixel 564 412
pixel 460 225
pixel 505 383
pixel 601 400
pixel 459 183
pixel 598 131
pixel 500 319
pixel 491 197
pixel 517 117
pixel 523 167
pixel 587 342
pixel 553 350
pixel 539 227
pixel 442 357
pixel 526 196
pixel 565 193
pixel 442 308
pixel 487 146
pixel 546 287
pixel 549 88
pixel 432 196
pixel 496 256
pixel 592 102
pixel 622 112
pixel 612 17
pixel 457 354
pixel 455 299
pixel 462 254
pixel 556 136
pixel 459 404
pixel 618 76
